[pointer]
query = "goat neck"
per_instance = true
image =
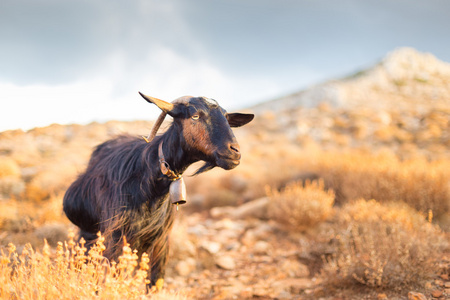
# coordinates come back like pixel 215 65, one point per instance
pixel 170 147
pixel 164 165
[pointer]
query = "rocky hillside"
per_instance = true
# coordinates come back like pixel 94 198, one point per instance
pixel 402 103
pixel 405 79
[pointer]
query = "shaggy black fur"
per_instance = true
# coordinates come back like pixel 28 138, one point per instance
pixel 123 192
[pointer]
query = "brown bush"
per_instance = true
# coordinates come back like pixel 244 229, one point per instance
pixel 11 183
pixel 53 179
pixel 422 184
pixel 301 207
pixel 9 168
pixel 8 213
pixel 11 188
pixel 52 233
pixel 388 246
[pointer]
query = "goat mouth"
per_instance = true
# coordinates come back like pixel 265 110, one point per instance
pixel 227 163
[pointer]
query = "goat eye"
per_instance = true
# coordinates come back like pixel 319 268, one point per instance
pixel 195 117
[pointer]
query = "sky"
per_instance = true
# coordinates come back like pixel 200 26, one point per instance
pixel 78 61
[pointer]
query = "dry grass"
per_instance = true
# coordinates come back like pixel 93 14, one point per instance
pixel 422 184
pixel 9 168
pixel 71 273
pixel 386 246
pixel 301 206
pixel 23 222
pixel 11 184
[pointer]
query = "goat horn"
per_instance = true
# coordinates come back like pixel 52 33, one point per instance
pixel 155 128
pixel 163 105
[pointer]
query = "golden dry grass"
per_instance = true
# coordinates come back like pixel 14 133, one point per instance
pixel 301 206
pixel 9 168
pixel 387 246
pixel 71 273
pixel 421 183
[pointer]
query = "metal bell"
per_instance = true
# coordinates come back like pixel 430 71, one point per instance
pixel 177 191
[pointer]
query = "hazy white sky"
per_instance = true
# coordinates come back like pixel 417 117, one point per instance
pixel 66 61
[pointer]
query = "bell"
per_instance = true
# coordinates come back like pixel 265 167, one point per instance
pixel 177 192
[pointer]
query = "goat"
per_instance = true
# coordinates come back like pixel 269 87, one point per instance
pixel 124 192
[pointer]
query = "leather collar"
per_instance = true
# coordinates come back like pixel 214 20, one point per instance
pixel 165 167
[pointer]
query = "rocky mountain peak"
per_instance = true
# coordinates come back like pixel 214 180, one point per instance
pixel 409 63
pixel 404 79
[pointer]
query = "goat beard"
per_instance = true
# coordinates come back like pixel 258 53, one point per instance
pixel 206 167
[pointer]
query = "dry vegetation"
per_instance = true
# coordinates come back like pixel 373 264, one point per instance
pixel 389 246
pixel 71 272
pixel 301 207
pixel 327 202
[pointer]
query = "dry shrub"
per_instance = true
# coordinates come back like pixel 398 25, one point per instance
pixel 301 206
pixel 71 273
pixel 54 178
pixel 8 213
pixel 9 168
pixel 52 233
pixel 11 188
pixel 25 222
pixel 422 184
pixel 388 246
pixel 11 183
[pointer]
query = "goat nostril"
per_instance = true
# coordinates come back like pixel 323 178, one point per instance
pixel 235 148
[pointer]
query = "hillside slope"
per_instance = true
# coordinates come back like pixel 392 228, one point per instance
pixel 403 80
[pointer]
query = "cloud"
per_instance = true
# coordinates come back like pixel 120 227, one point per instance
pixel 111 92
pixel 39 105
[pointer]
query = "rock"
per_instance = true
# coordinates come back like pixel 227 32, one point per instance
pixel 416 296
pixel 261 232
pixel 182 248
pixel 211 247
pixel 439 282
pixel 246 293
pixel 186 267
pixel 437 293
pixel 228 224
pixel 206 259
pixel 293 268
pixel 225 262
pixel 197 229
pixel 231 290
pixel 221 211
pixel 253 209
pixel 292 285
pixel 444 277
pixel 382 296
pixel 262 247
pixel 249 238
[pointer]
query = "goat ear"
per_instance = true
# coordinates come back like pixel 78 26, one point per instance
pixel 238 119
pixel 163 105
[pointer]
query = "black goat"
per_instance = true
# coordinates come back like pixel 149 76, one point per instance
pixel 124 191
